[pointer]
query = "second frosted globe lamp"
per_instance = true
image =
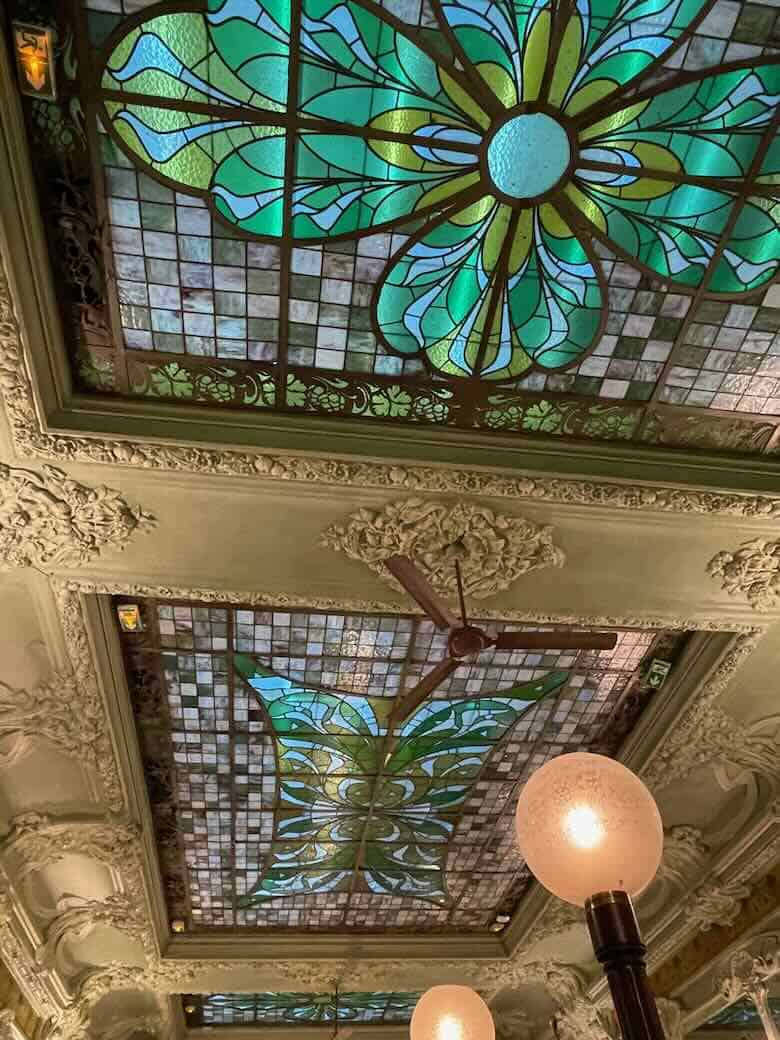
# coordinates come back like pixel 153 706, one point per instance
pixel 586 824
pixel 451 1013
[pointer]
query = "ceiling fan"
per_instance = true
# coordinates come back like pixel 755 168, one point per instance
pixel 465 640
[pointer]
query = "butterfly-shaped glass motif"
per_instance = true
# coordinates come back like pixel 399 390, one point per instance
pixel 351 797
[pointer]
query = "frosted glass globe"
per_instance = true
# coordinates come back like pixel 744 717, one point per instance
pixel 586 824
pixel 451 1013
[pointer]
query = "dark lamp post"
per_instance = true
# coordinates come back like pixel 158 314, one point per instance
pixel 591 833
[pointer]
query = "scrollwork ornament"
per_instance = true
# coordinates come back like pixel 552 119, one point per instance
pixel 752 571
pixel 493 549
pixel 556 917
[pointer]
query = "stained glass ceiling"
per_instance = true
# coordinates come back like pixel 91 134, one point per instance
pixel 742 1015
pixel 360 230
pixel 283 799
pixel 280 1009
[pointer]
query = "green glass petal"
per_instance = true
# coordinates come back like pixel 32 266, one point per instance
pixel 505 42
pixel 554 297
pixel 436 295
pixel 673 235
pixel 344 806
pixel 187 147
pixel 752 253
pixel 344 185
pixel 712 126
pixel 355 67
pixel 180 56
pixel 541 299
pixel 617 41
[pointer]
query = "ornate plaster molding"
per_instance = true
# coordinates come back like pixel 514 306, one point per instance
pixel 512 1024
pixel 9 1029
pixel 563 982
pixel 67 713
pixel 715 903
pixel 556 917
pixel 19 959
pixel 66 591
pixel 748 973
pixel 31 441
pixel 124 911
pixel 47 519
pixel 707 734
pixel 583 1021
pixel 670 1013
pixel 685 854
pixel 493 549
pixel 37 841
pixel 73 1022
pixel 752 571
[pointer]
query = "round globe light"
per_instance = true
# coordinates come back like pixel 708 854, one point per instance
pixel 586 824
pixel 451 1013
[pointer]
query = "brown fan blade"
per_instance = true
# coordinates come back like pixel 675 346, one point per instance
pixel 556 641
pixel 421 591
pixel 407 702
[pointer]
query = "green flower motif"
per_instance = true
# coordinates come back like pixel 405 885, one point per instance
pixel 327 119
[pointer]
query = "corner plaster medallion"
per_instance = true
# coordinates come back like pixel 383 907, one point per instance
pixel 752 571
pixel 47 518
pixel 493 549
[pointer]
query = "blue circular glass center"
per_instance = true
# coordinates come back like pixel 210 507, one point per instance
pixel 528 155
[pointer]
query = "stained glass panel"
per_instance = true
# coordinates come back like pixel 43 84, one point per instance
pixel 269 234
pixel 281 798
pixel 742 1015
pixel 276 1009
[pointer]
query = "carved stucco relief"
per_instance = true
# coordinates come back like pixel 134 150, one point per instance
pixel 706 734
pixel 749 972
pixel 685 854
pixel 32 442
pixel 493 549
pixel 48 519
pixel 67 713
pixel 751 571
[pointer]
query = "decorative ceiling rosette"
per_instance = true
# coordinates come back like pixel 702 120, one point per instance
pixel 535 128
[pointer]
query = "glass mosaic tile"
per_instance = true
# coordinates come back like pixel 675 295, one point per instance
pixel 296 807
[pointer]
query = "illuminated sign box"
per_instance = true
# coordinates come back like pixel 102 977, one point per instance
pixel 34 50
